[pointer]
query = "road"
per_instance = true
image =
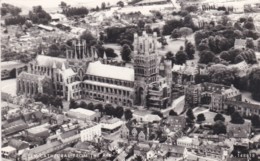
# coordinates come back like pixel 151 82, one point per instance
pixel 177 106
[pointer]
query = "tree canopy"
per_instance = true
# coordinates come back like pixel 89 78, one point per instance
pixel 236 118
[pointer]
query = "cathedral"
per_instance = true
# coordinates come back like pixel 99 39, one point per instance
pixel 82 75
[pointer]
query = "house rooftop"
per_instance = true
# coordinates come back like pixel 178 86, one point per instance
pixel 83 111
pixel 10 65
pixel 8 149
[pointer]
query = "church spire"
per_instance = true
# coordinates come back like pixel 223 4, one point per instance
pixel 63 66
pixel 54 66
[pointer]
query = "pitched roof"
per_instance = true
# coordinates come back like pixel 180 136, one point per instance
pixel 10 65
pixel 48 61
pixel 18 144
pixel 240 42
pixel 177 149
pixel 33 77
pixel 67 73
pixel 110 71
pixel 243 104
pixel 41 148
pixel 69 134
pixel 14 127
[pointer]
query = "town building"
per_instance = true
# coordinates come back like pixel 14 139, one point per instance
pixel 8 152
pixel 245 109
pixel 151 2
pixel 183 74
pixel 82 76
pixel 143 116
pixel 41 131
pixel 13 127
pixel 110 125
pixel 241 44
pixel 214 151
pixel 189 143
pixel 83 114
pixel 90 132
pixel 242 68
pixel 140 132
pixel 176 123
pixel 239 131
pixel 211 95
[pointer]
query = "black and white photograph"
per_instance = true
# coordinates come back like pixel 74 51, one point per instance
pixel 130 80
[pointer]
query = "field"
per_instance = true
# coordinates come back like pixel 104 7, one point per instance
pixel 53 5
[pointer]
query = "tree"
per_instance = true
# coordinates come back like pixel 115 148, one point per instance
pixel 103 6
pixel 191 8
pixel 181 57
pixel 221 74
pixel 83 104
pixel 175 34
pixel 138 158
pixel 109 110
pixel 224 20
pixel 254 83
pixel 189 49
pixel 230 110
pixel 90 106
pixel 54 50
pixel 120 4
pixel 128 114
pixel 110 53
pixel 97 8
pixel 163 41
pixel 171 25
pixel 219 128
pixel 126 53
pixel 88 37
pixel 99 107
pixel 172 113
pixel 247 55
pixel 219 117
pixel 201 117
pixel 249 25
pixel 119 112
pixel 185 31
pixel 39 16
pixel 255 120
pixel 206 57
pixel 230 55
pixel 62 5
pixel 190 114
pixel 250 43
pixel 236 118
pixel 73 104
pixel 141 24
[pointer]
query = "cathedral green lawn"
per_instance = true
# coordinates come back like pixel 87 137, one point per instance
pixel 9 86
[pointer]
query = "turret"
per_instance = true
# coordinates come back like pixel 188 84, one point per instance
pixel 63 67
pixel 168 71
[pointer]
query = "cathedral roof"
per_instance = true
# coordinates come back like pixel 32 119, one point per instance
pixel 48 61
pixel 110 71
pixel 29 76
pixel 68 72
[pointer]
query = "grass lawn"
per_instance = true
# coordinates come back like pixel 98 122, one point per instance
pixel 117 49
pixel 210 117
pixel 247 96
pixel 9 86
